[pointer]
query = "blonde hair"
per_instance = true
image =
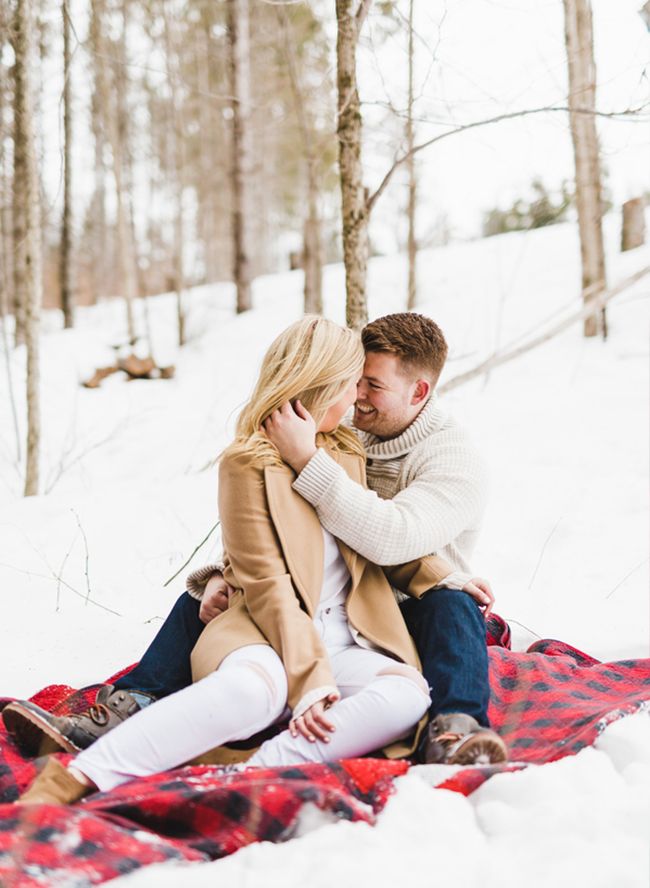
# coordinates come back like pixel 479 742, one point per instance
pixel 314 360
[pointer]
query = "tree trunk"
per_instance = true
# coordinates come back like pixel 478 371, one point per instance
pixel 99 271
pixel 28 201
pixel 174 143
pixel 312 252
pixel 115 139
pixel 412 248
pixel 582 104
pixel 209 230
pixel 353 198
pixel 633 231
pixel 66 220
pixel 18 230
pixel 239 64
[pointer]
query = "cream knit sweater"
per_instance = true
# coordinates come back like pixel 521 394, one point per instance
pixel 427 495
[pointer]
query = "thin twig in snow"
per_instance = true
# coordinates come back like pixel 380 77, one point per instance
pixel 60 574
pixel 184 565
pixel 627 575
pixel 523 626
pixel 541 554
pixel 56 578
pixel 87 564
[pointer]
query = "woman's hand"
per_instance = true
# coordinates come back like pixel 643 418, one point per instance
pixel 313 724
pixel 215 598
pixel 481 592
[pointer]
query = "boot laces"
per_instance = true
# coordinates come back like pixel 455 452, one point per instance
pixel 99 713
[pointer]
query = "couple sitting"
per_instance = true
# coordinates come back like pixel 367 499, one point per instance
pixel 302 623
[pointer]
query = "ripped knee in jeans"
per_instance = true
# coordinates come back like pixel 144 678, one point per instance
pixel 403 671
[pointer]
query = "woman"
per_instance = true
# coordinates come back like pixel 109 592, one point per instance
pixel 312 626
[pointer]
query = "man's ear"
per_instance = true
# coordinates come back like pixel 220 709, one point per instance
pixel 421 392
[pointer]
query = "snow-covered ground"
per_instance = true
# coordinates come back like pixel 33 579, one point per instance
pixel 131 493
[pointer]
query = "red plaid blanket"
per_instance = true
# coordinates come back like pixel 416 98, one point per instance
pixel 549 702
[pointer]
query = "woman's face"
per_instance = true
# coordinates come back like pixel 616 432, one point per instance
pixel 337 410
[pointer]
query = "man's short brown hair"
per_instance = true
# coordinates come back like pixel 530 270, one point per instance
pixel 416 340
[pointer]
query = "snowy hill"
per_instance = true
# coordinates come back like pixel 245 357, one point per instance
pixel 564 428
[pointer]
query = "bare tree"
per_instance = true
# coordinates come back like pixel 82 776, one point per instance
pixel 175 148
pixel 350 16
pixel 312 253
pixel 582 97
pixel 66 219
pixel 412 248
pixel 99 243
pixel 115 138
pixel 29 210
pixel 239 64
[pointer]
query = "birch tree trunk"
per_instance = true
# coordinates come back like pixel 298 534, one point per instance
pixel 239 65
pixel 114 134
pixel 30 255
pixel 66 219
pixel 208 214
pixel 412 249
pixel 174 143
pixel 312 252
pixel 633 228
pixel 353 198
pixel 99 242
pixel 582 104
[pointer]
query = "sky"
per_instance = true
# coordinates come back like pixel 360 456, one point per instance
pixel 476 59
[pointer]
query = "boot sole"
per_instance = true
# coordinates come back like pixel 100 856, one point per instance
pixel 33 734
pixel 481 748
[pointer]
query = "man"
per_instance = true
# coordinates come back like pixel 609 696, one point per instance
pixel 427 493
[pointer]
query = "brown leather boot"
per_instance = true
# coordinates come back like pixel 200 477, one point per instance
pixel 55 785
pixel 38 732
pixel 457 739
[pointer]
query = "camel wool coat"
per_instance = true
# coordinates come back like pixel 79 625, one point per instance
pixel 274 546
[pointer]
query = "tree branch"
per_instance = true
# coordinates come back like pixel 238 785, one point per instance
pixel 362 14
pixel 596 300
pixel 512 115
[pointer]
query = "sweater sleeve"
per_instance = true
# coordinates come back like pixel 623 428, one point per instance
pixel 444 497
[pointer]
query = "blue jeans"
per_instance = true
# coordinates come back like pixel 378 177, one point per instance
pixel 165 666
pixel 449 632
pixel 447 626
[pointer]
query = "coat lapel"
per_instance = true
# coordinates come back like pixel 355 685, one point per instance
pixel 355 467
pixel 299 531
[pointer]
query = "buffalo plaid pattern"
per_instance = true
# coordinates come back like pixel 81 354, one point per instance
pixel 548 702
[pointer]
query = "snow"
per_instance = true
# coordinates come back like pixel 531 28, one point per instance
pixel 131 484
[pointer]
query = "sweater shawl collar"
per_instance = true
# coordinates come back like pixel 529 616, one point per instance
pixel 428 421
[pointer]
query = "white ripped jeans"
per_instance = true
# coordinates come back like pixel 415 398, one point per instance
pixel 381 701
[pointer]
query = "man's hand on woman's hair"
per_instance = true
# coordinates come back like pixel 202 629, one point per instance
pixel 293 431
pixel 215 598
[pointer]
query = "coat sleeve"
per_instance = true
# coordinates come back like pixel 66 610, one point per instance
pixel 258 564
pixel 419 576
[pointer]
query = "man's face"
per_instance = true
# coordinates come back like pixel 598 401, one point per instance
pixel 388 397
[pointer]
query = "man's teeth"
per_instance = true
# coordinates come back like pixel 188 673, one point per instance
pixel 364 409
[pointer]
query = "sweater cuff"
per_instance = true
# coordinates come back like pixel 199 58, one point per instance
pixel 317 477
pixel 196 581
pixel 455 580
pixel 312 697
